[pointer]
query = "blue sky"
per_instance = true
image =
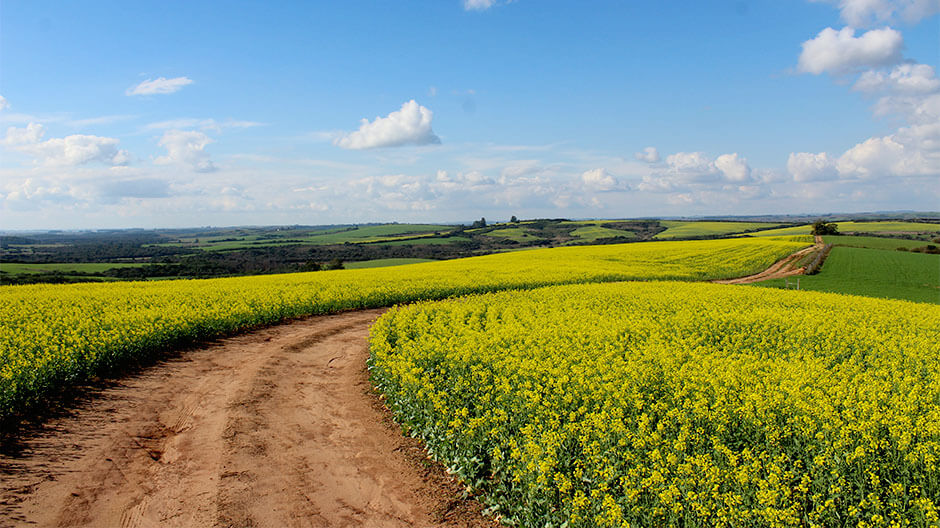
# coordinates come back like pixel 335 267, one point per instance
pixel 163 114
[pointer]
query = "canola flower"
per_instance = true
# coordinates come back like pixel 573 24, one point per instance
pixel 675 404
pixel 53 336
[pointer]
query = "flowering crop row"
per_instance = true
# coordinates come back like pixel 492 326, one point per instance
pixel 56 335
pixel 675 404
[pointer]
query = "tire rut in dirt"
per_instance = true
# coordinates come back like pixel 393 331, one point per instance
pixel 274 428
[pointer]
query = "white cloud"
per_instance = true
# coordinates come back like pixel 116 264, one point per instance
pixel 478 5
pixel 186 148
pixel 910 91
pixel 411 125
pixel 841 52
pixel 3 103
pixel 806 166
pixel 734 167
pixel 685 171
pixel 691 167
pixel 461 181
pixel 649 155
pixel 73 150
pixel 909 78
pixel 599 179
pixel 862 13
pixel 160 85
pixel 912 151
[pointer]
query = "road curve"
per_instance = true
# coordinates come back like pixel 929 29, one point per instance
pixel 276 428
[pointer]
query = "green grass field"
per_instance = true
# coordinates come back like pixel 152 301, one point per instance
pixel 875 273
pixel 14 268
pixel 680 229
pixel 381 263
pixel 590 233
pixel 888 227
pixel 872 242
pixel 518 234
pixel 860 227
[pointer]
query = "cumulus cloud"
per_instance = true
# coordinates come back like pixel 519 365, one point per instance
pixel 909 78
pixel 910 91
pixel 3 103
pixel 411 125
pixel 862 13
pixel 186 148
pixel 841 52
pixel 911 151
pixel 649 155
pixel 73 150
pixel 696 170
pixel 691 165
pixel 159 86
pixel 806 166
pixel 599 179
pixel 733 167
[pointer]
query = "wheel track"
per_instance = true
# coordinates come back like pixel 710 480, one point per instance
pixel 274 428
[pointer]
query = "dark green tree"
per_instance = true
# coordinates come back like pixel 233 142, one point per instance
pixel 821 227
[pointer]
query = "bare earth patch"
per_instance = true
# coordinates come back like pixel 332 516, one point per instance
pixel 275 428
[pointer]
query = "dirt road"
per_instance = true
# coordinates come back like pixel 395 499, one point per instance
pixel 275 428
pixel 784 267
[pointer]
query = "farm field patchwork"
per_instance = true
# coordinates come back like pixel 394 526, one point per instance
pixel 323 236
pixel 674 404
pixel 874 273
pixel 57 335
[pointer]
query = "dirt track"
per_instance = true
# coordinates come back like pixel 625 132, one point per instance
pixel 780 269
pixel 274 428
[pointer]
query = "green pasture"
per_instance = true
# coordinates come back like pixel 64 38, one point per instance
pixel 682 229
pixel 888 227
pixel 860 227
pixel 874 273
pixel 518 234
pixel 872 242
pixel 591 233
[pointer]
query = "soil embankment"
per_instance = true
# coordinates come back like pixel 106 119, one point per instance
pixel 275 428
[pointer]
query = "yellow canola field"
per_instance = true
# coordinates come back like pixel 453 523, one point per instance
pixel 675 404
pixel 52 336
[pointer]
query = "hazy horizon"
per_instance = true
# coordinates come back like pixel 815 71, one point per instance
pixel 177 115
